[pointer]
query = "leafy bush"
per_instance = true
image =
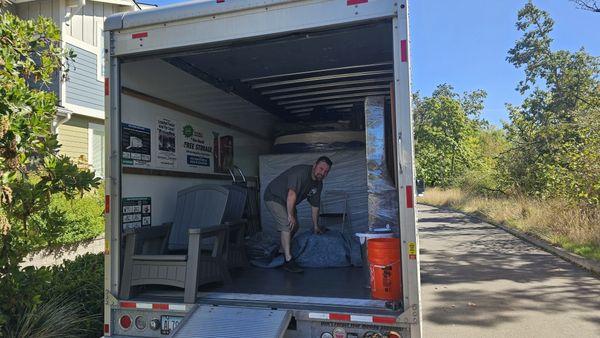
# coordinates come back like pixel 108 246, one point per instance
pixel 21 289
pixel 83 217
pixel 31 169
pixel 81 281
pixel 74 289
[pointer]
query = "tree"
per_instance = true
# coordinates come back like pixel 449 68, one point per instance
pixel 588 5
pixel 31 170
pixel 446 127
pixel 554 135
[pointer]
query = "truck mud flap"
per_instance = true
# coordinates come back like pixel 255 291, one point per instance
pixel 223 321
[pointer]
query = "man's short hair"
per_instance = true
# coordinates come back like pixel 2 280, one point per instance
pixel 324 159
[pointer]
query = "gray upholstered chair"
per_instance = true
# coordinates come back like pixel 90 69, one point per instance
pixel 174 254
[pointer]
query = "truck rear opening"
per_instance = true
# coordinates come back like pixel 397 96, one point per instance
pixel 188 99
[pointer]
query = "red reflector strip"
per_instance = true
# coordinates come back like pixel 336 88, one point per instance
pixel 338 316
pixel 409 197
pixel 153 306
pixel 219 1
pixel 139 35
pixel 106 86
pixel 160 306
pixel 106 204
pixel 352 318
pixel 355 2
pixel 106 328
pixel 384 320
pixel 403 51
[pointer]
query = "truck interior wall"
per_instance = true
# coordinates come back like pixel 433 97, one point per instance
pixel 156 79
pixel 160 79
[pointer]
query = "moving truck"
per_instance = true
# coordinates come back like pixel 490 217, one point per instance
pixel 194 87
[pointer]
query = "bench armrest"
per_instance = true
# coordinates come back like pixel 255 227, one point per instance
pixel 210 231
pixel 156 231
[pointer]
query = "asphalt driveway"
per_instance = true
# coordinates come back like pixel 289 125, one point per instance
pixel 479 281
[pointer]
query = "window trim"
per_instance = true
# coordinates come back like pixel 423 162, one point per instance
pixel 99 52
pixel 91 127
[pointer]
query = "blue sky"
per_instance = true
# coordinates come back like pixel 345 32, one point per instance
pixel 465 42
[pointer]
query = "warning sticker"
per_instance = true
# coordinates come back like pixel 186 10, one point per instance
pixel 412 250
pixel 136 212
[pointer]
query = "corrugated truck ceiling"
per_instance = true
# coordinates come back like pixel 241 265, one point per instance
pixel 301 74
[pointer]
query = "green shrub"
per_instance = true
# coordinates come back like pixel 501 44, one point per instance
pixel 21 289
pixel 69 222
pixel 75 288
pixel 83 217
pixel 82 282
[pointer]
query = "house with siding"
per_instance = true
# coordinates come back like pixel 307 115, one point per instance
pixel 80 120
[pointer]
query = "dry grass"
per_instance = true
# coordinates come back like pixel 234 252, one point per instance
pixel 575 229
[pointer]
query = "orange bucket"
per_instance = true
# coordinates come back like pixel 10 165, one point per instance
pixel 385 268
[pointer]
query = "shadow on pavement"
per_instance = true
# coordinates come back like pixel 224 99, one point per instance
pixel 482 276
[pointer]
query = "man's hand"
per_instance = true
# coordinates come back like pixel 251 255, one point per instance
pixel 320 230
pixel 292 222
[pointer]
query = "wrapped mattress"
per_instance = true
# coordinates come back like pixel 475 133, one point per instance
pixel 319 141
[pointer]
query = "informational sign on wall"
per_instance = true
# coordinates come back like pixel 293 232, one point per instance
pixel 166 156
pixel 135 144
pixel 136 212
pixel 196 149
pixel 175 142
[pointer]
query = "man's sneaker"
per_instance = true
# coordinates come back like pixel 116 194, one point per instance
pixel 292 266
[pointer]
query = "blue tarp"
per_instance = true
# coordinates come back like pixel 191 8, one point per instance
pixel 331 249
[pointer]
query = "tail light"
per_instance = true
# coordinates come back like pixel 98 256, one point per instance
pixel 125 322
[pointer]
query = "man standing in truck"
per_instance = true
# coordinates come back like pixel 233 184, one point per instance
pixel 289 189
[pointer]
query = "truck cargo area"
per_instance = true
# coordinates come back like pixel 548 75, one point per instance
pixel 250 90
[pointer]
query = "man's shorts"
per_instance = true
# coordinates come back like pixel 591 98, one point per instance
pixel 280 215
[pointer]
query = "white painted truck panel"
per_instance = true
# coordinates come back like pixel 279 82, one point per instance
pixel 212 24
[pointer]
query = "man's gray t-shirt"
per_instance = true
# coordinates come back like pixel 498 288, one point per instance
pixel 299 179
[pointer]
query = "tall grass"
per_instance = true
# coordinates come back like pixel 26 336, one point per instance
pixel 556 221
pixel 59 317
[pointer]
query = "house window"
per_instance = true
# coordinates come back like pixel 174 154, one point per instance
pixel 100 53
pixel 96 148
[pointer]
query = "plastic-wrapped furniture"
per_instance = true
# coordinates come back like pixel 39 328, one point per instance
pixel 175 255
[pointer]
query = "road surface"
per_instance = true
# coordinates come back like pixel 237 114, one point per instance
pixel 479 281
